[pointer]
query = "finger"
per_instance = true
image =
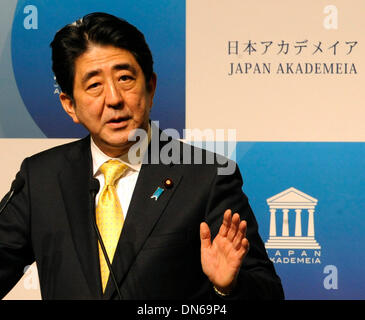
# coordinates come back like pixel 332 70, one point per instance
pixel 205 235
pixel 223 230
pixel 244 247
pixel 233 227
pixel 245 244
pixel 243 228
pixel 241 233
pixel 237 242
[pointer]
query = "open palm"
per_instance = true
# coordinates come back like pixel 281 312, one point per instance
pixel 222 258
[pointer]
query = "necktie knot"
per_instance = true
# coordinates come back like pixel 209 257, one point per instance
pixel 112 170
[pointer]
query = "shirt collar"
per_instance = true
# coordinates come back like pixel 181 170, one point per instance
pixel 99 157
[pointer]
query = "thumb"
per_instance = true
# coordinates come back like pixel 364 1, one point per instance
pixel 205 235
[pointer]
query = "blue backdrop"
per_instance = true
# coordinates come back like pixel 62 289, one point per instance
pixel 334 174
pixel 162 22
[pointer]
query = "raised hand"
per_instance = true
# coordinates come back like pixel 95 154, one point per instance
pixel 222 258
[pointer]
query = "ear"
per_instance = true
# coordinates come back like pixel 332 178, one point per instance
pixel 69 106
pixel 151 87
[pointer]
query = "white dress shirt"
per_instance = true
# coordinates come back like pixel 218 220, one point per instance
pixel 126 184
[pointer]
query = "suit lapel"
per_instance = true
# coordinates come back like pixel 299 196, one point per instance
pixel 143 214
pixel 74 179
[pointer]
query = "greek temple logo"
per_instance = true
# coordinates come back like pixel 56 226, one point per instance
pixel 297 245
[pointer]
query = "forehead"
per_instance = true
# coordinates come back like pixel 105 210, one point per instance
pixel 104 58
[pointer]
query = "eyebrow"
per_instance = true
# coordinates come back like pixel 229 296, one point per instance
pixel 117 67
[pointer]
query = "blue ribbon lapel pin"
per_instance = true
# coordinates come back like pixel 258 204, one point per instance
pixel 157 193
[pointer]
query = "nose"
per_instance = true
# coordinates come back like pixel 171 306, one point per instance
pixel 113 97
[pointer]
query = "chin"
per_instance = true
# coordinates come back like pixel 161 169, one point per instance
pixel 120 143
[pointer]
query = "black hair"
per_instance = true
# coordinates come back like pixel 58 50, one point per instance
pixel 98 28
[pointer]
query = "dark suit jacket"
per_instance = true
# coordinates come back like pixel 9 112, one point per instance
pixel 158 255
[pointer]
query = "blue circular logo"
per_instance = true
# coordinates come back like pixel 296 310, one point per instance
pixel 34 26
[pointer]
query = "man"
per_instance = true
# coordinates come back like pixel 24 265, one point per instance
pixel 159 231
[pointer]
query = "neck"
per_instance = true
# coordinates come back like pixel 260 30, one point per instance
pixel 122 151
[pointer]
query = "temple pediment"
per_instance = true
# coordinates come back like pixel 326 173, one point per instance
pixel 292 198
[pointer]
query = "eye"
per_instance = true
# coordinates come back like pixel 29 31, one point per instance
pixel 125 77
pixel 93 85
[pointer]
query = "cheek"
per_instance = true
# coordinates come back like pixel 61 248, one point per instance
pixel 91 107
pixel 138 105
pixel 143 111
pixel 90 115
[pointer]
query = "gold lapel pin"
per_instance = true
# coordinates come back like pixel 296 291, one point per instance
pixel 168 183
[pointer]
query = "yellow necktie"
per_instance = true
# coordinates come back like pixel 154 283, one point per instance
pixel 109 214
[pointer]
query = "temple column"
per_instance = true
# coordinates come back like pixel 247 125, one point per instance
pixel 272 223
pixel 298 223
pixel 310 223
pixel 285 232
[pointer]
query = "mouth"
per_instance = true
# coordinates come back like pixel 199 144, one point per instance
pixel 118 122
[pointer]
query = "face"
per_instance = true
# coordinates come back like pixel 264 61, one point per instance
pixel 111 97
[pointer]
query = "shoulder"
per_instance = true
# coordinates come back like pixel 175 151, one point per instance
pixel 193 157
pixel 69 151
pixel 197 155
